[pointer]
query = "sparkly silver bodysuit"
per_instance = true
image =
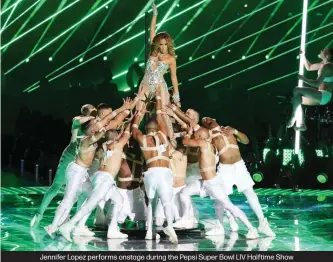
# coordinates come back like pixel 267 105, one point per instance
pixel 155 70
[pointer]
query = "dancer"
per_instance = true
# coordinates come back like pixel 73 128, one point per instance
pixel 158 178
pixel 88 112
pixel 161 58
pixel 209 185
pixel 76 172
pixel 312 96
pixel 232 171
pixel 104 187
pixel 129 180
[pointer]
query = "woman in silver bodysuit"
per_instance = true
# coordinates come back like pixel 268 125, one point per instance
pixel 162 58
pixel 321 91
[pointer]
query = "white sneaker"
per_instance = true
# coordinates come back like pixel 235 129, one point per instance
pixel 65 230
pixel 233 224
pixel 36 220
pixel 115 233
pixel 50 230
pixel 184 223
pixel 149 236
pixel 251 244
pixel 216 231
pixel 252 234
pixel 170 232
pixel 265 243
pixel 83 231
pixel 100 219
pixel 218 241
pixel 265 228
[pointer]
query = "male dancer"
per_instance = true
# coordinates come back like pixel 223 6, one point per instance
pixel 76 173
pixel 232 171
pixel 104 187
pixel 158 178
pixel 209 185
pixel 88 112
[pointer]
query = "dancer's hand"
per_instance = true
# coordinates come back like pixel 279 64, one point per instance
pixel 167 110
pixel 127 103
pixel 227 130
pixel 155 12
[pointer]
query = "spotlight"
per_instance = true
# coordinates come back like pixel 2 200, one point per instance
pixel 243 57
pixel 267 56
pixel 135 59
pixel 27 60
pixel 322 178
pixel 321 198
pixel 106 7
pixel 245 5
pixel 229 50
pixel 81 60
pixel 190 58
pixel 258 176
pixel 297 57
pixel 50 58
pixel 213 56
pixel 127 89
pixel 178 5
pixel 105 58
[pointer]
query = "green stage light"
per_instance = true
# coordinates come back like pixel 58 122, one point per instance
pixel 319 153
pixel 135 59
pixel 258 176
pixel 213 56
pixel 105 58
pixel 229 50
pixel 190 58
pixel 50 58
pixel 321 198
pixel 8 18
pixel 106 7
pixel 81 60
pixel 245 5
pixel 127 89
pixel 7 9
pixel 322 178
pixel 267 56
pixel 27 60
pixel 243 57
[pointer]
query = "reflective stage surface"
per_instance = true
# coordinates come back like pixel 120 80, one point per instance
pixel 301 221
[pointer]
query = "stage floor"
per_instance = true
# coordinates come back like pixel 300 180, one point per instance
pixel 302 221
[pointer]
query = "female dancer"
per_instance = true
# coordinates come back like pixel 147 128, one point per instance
pixel 162 58
pixel 311 96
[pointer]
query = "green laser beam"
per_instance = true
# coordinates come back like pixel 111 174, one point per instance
pixel 241 25
pixel 230 23
pixel 291 29
pixel 38 25
pixel 211 27
pixel 123 42
pixel 8 18
pixel 263 62
pixel 97 44
pixel 56 38
pixel 272 81
pixel 32 89
pixel 277 7
pixel 7 9
pixel 254 54
pixel 62 3
pixel 100 27
pixel 22 14
pixel 40 4
pixel 323 22
pixel 329 44
pixel 249 36
pixel 25 90
pixel 5 5
pixel 96 3
pixel 199 11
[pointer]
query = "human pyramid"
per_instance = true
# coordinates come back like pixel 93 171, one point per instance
pixel 113 166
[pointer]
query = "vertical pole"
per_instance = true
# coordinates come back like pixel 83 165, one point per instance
pixel 147 46
pixel 22 167
pixel 37 173
pixel 50 177
pixel 299 111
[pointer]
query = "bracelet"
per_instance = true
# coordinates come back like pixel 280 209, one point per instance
pixel 135 126
pixel 155 13
pixel 196 128
pixel 102 129
pixel 139 114
pixel 136 98
pixel 158 112
pixel 158 98
pixel 176 97
pixel 127 112
pixel 127 132
pixel 187 136
pixel 235 132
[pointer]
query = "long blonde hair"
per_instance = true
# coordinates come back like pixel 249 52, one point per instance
pixel 156 42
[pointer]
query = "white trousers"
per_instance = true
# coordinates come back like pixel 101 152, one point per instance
pixel 234 174
pixel 77 185
pixel 104 188
pixel 192 172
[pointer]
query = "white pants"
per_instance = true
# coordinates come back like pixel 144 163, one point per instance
pixel 192 172
pixel 177 207
pixel 214 189
pixel 77 185
pixel 104 188
pixel 234 174
pixel 134 205
pixel 158 183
